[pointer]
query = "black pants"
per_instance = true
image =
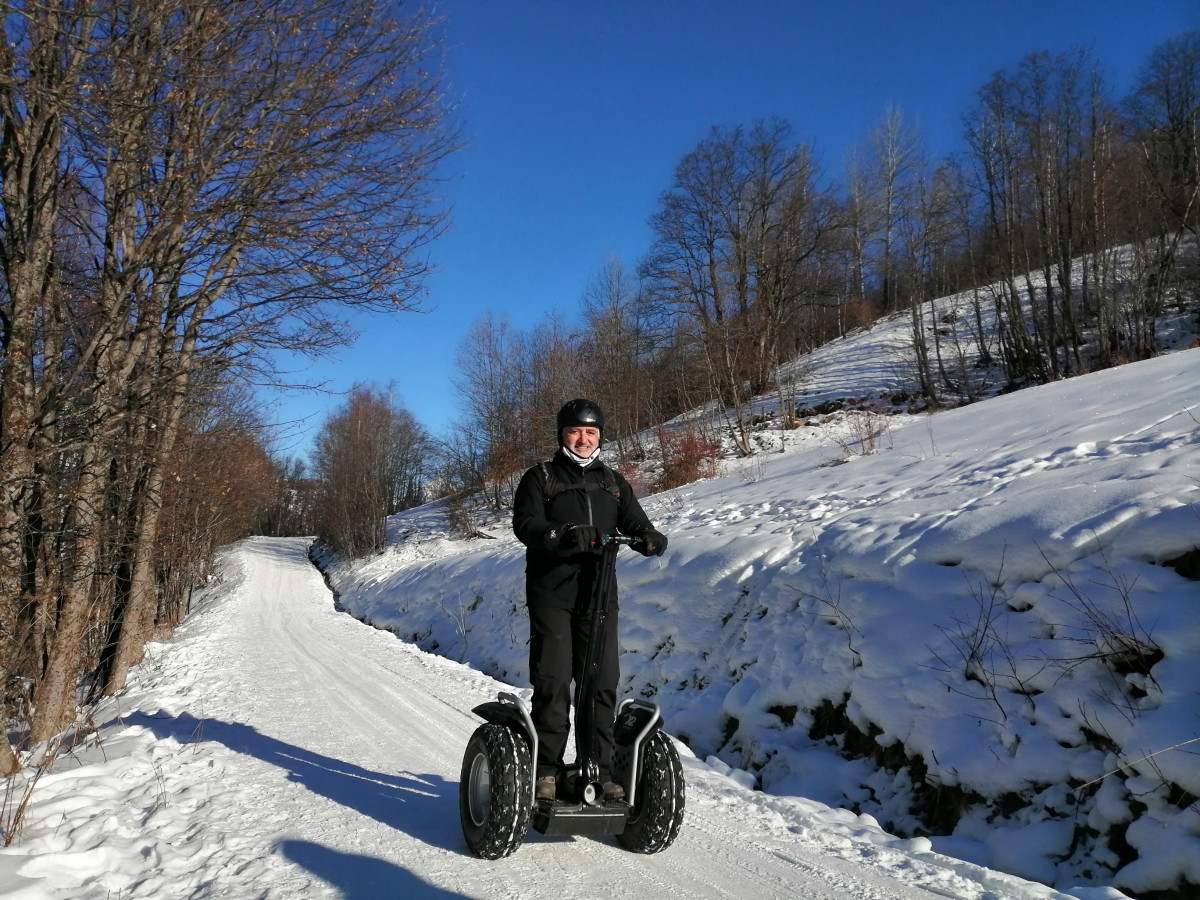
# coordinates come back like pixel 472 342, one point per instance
pixel 558 641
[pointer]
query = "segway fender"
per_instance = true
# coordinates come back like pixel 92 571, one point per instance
pixel 508 710
pixel 501 714
pixel 637 719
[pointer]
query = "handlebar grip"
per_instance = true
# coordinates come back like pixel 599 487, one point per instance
pixel 637 542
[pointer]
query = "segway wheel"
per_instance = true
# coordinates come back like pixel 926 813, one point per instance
pixel 494 791
pixel 655 819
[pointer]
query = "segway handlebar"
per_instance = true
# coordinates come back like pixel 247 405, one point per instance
pixel 625 539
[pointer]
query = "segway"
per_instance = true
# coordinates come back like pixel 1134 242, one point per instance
pixel 496 800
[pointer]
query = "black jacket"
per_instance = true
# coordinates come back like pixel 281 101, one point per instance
pixel 564 578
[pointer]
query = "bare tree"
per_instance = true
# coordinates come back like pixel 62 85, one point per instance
pixel 614 351
pixel 1164 112
pixel 730 237
pixel 236 173
pixel 898 161
pixel 370 456
pixel 291 510
pixel 861 220
pixel 42 58
pixel 409 464
pixel 690 269
pixel 996 138
pixel 1053 120
pixel 490 379
pixel 218 480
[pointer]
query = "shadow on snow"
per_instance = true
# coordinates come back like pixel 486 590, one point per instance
pixel 359 877
pixel 422 806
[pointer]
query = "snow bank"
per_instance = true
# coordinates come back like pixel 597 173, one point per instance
pixel 982 615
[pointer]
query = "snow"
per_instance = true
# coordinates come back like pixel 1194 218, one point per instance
pixel 277 748
pixel 985 604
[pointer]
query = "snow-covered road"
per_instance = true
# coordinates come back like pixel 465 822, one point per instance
pixel 278 748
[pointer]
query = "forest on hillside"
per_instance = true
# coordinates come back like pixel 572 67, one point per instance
pixel 184 188
pixel 1065 227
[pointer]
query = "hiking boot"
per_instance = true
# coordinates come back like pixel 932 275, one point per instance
pixel 547 788
pixel 611 792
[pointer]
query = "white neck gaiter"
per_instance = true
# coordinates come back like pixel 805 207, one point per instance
pixel 582 461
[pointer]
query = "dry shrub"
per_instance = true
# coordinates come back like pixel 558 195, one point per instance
pixel 461 514
pixel 637 478
pixel 687 455
pixel 859 312
pixel 861 432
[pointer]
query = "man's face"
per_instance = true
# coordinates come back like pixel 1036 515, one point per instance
pixel 582 440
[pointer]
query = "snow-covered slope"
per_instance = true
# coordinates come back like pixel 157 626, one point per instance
pixel 276 748
pixel 984 607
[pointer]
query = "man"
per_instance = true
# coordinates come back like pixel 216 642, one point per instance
pixel 562 510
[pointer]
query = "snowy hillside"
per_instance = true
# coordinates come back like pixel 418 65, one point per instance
pixel 983 630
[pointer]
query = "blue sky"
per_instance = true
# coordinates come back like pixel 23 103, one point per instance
pixel 574 115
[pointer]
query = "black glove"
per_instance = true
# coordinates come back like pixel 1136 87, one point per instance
pixel 583 538
pixel 563 538
pixel 557 536
pixel 652 543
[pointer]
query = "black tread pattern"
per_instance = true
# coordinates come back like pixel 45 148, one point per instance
pixel 654 823
pixel 511 766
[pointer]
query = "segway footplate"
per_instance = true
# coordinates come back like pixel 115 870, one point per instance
pixel 579 819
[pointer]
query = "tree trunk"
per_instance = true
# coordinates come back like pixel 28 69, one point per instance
pixel 27 264
pixel 8 759
pixel 9 763
pixel 137 623
pixel 54 695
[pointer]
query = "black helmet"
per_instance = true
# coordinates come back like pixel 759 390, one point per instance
pixel 580 412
